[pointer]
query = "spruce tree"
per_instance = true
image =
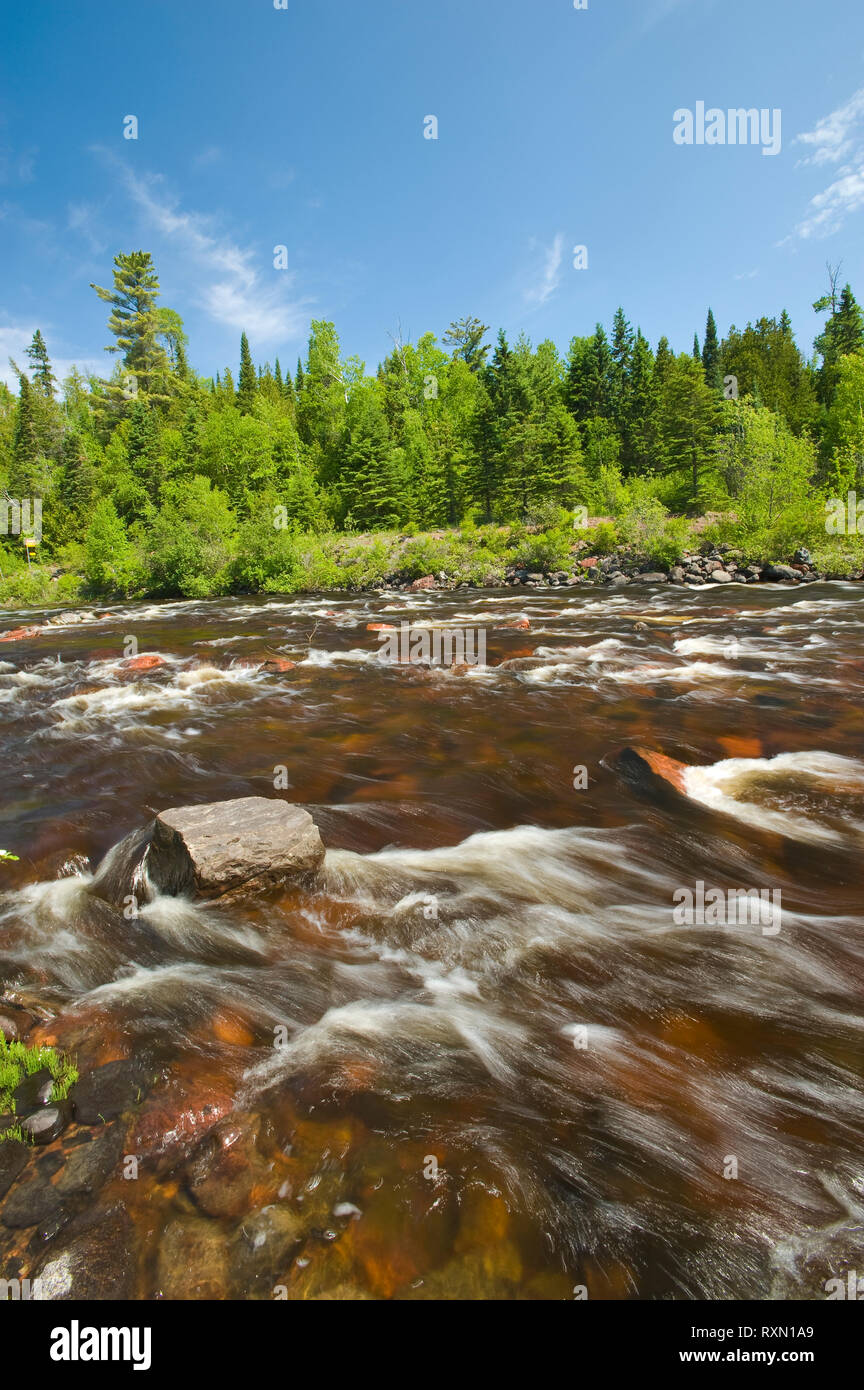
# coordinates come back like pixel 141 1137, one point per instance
pixel 247 384
pixel 711 353
pixel 43 377
pixel 842 335
pixel 25 473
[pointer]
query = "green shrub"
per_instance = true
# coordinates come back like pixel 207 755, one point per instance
pixel 601 539
pixel 191 540
pixel 549 550
pixel 647 529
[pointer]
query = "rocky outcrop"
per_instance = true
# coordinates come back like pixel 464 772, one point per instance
pixel 223 850
pixel 248 845
pixel 649 771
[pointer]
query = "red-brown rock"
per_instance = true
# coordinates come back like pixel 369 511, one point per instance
pixel 148 661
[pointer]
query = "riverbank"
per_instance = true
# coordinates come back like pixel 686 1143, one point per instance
pixel 703 550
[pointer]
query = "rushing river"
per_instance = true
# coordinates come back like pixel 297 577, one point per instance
pixel 481 1058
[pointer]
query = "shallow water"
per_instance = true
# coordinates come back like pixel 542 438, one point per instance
pixel 504 1070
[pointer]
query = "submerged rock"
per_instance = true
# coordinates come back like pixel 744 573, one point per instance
pixel 193 1260
pixel 644 769
pixel 31 1203
pixel 13 1161
pixel 107 1091
pixel 98 1261
pixel 247 845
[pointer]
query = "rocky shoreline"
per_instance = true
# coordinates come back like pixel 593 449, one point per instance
pixel 720 565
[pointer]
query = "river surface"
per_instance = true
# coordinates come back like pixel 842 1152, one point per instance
pixel 480 1058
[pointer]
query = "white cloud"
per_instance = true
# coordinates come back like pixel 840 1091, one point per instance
pixel 550 278
pixel 15 336
pixel 828 210
pixel 232 289
pixel 838 136
pixel 832 138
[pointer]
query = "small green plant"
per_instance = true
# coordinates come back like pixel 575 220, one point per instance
pixel 4 854
pixel 18 1061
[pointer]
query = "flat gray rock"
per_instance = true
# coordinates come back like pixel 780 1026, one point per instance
pixel 244 846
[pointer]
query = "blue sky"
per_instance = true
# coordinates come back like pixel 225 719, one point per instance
pixel 303 127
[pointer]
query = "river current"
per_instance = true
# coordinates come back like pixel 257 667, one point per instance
pixel 481 1057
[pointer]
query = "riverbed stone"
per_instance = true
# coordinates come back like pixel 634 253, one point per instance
pixel 193 1261
pixel 97 1261
pixel 89 1165
pixel 107 1091
pixel 13 1161
pixel 262 1248
pixel 233 847
pixel 14 1023
pixel 226 1170
pixel 47 1123
pixel 31 1203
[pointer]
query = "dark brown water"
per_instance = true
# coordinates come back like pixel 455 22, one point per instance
pixel 502 1070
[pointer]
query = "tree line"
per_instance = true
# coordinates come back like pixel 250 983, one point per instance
pixel 153 470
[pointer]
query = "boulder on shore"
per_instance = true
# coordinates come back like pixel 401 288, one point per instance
pixel 249 845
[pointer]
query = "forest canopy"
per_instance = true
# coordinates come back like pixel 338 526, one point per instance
pixel 154 479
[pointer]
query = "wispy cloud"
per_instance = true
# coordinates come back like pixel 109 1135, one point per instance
pixel 231 286
pixel 746 275
pixel 82 218
pixel 834 136
pixel 837 139
pixel 16 335
pixel 211 155
pixel 18 166
pixel 550 278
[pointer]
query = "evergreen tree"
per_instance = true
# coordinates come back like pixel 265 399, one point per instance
pixel 40 365
pixel 247 385
pixel 711 353
pixel 842 335
pixel 465 336
pixel 134 321
pixel 26 474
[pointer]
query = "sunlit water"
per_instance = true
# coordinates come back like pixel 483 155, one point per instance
pixel 505 1071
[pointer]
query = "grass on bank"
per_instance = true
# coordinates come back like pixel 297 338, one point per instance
pixel 18 1061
